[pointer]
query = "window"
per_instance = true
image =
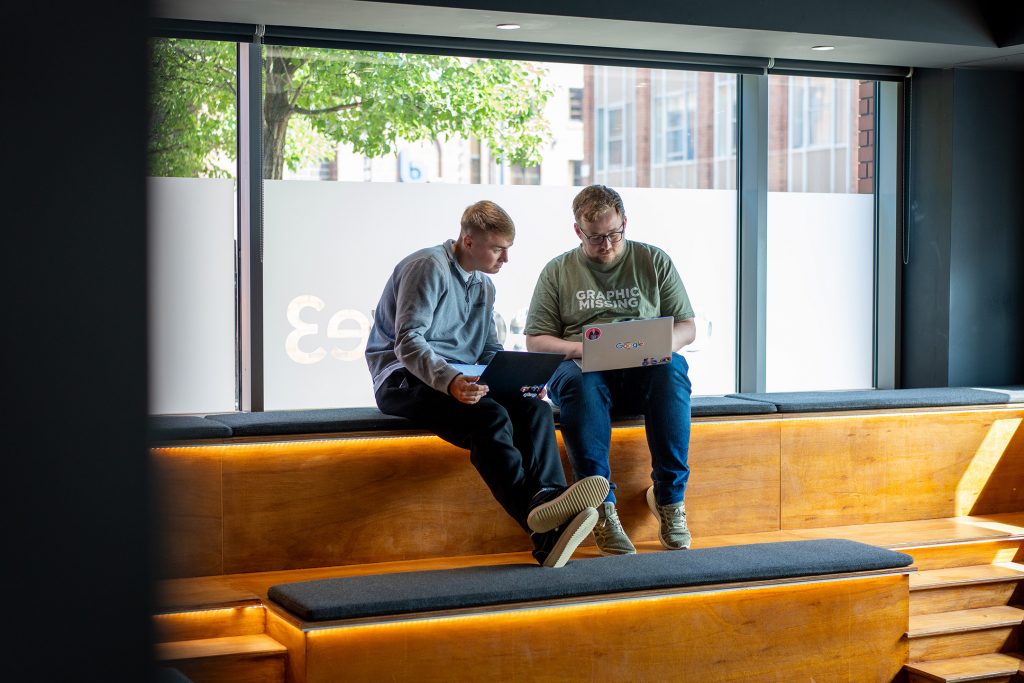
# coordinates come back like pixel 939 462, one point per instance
pixel 371 155
pixel 575 104
pixel 725 131
pixel 820 294
pixel 820 146
pixel 191 197
pixel 576 171
pixel 675 116
pixel 525 175
pixel 330 246
pixel 616 140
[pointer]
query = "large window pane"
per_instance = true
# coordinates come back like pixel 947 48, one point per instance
pixel 408 141
pixel 820 234
pixel 191 197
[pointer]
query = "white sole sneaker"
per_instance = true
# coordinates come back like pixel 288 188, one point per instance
pixel 588 492
pixel 575 531
pixel 652 503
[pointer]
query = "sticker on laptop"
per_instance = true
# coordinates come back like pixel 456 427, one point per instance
pixel 656 361
pixel 593 333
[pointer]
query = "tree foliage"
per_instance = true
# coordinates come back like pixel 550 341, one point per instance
pixel 315 99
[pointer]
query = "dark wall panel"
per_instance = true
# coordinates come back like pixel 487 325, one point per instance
pixel 76 520
pixel 987 246
pixel 925 325
pixel 963 296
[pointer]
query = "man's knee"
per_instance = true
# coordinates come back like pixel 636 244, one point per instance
pixel 674 374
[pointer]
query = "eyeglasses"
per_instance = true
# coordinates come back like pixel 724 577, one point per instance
pixel 613 237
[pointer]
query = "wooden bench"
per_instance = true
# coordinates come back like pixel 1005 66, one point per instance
pixel 244 512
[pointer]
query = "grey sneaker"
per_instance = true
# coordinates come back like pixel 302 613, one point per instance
pixel 554 548
pixel 611 539
pixel 555 507
pixel 674 534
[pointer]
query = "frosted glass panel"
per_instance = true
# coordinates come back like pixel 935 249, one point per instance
pixel 191 295
pixel 330 247
pixel 820 291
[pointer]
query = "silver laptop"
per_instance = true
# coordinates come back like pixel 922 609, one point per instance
pixel 630 344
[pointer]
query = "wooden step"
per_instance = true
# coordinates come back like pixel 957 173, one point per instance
pixel 989 668
pixel 251 658
pixel 964 633
pixel 988 573
pixel 963 588
pixel 962 621
pixel 990 551
pixel 210 623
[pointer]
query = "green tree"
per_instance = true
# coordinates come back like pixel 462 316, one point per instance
pixel 316 98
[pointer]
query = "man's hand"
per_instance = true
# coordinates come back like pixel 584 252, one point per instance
pixel 466 390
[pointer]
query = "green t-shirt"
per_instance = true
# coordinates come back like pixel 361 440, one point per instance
pixel 573 291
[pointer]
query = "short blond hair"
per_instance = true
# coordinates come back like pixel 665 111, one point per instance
pixel 486 216
pixel 594 201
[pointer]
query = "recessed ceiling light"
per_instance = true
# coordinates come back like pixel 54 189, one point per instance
pixel 824 48
pixel 507 27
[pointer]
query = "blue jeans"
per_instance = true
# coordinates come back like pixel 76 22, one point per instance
pixel 661 393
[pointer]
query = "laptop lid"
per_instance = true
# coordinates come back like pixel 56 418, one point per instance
pixel 629 344
pixel 515 372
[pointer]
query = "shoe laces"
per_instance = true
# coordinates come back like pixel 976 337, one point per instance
pixel 609 523
pixel 673 516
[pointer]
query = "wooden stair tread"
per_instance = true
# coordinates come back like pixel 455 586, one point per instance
pixel 960 576
pixel 229 646
pixel 229 589
pixel 251 588
pixel 961 621
pixel 896 535
pixel 963 669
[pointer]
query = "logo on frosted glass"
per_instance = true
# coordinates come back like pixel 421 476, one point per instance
pixel 346 324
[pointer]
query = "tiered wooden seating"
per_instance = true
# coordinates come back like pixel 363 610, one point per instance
pixel 942 485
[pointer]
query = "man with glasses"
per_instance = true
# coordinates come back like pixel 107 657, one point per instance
pixel 437 310
pixel 609 279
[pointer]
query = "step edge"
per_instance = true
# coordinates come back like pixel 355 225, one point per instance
pixel 1012 668
pixel 968 582
pixel 981 568
pixel 271 648
pixel 1014 617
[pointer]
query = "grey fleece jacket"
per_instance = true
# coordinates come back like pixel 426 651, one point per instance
pixel 429 317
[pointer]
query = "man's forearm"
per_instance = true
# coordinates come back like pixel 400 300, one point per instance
pixel 683 333
pixel 552 344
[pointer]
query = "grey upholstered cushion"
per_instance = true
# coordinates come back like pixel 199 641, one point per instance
pixel 708 406
pixel 817 401
pixel 164 428
pixel 386 594
pixel 326 420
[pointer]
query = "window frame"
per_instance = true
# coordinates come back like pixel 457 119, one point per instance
pixel 751 177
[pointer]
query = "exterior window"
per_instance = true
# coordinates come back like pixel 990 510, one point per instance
pixel 191 198
pixel 525 175
pixel 820 298
pixel 615 137
pixel 329 246
pixel 371 155
pixel 575 104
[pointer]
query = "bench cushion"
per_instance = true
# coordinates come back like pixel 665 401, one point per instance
pixel 712 406
pixel 337 420
pixel 183 427
pixel 324 420
pixel 407 592
pixel 818 401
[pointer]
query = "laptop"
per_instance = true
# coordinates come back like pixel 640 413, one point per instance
pixel 629 344
pixel 514 372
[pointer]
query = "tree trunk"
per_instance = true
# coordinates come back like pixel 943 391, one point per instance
pixel 277 110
